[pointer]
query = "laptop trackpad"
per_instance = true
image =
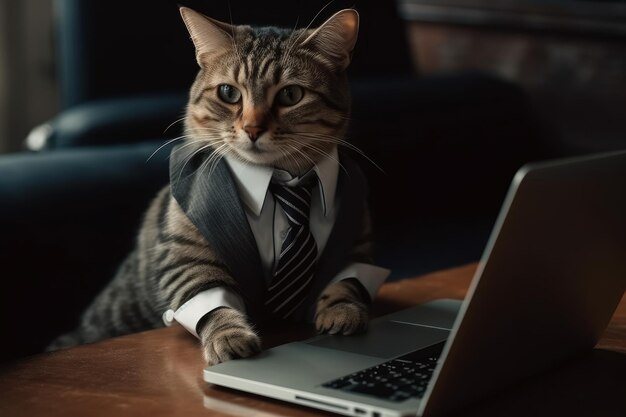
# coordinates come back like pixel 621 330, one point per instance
pixel 384 339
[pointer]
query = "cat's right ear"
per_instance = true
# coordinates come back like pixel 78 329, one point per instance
pixel 209 36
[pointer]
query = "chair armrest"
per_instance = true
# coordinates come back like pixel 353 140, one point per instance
pixel 114 121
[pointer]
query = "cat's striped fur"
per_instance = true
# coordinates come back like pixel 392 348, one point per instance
pixel 172 261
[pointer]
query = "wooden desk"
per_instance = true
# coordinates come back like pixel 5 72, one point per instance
pixel 158 373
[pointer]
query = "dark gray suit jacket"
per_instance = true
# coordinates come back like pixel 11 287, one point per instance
pixel 213 205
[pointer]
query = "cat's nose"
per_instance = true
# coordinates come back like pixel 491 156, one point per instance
pixel 254 132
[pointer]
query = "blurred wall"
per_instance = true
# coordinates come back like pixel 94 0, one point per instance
pixel 28 87
pixel 568 55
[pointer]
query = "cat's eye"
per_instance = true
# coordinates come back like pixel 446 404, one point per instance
pixel 228 93
pixel 290 95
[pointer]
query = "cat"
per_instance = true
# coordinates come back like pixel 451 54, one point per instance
pixel 255 87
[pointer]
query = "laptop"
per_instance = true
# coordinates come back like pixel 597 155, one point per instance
pixel 550 278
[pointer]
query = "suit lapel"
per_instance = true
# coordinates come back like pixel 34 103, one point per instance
pixel 352 193
pixel 213 205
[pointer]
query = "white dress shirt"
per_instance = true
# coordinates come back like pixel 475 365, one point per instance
pixel 264 214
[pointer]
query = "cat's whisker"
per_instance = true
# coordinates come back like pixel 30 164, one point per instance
pixel 299 151
pixel 192 140
pixel 321 135
pixel 295 160
pixel 207 128
pixel 215 156
pixel 288 157
pixel 207 162
pixel 309 146
pixel 195 141
pixel 208 133
pixel 321 152
pixel 292 45
pixel 332 139
pixel 283 59
pixel 219 152
pixel 232 29
pixel 174 122
pixel 189 158
pixel 325 154
pixel 164 145
pixel 238 157
pixel 284 153
pixel 293 31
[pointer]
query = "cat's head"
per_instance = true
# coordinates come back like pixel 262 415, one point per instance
pixel 271 96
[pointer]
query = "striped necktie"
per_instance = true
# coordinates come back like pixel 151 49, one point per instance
pixel 294 270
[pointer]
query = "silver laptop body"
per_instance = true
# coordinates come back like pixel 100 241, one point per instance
pixel 550 278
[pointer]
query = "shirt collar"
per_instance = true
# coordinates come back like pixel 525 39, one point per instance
pixel 254 180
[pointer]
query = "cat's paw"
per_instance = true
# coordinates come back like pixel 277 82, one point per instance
pixel 340 310
pixel 343 318
pixel 227 335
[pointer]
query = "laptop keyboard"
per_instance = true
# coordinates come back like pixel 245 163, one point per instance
pixel 396 380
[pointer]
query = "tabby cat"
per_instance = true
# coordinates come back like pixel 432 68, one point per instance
pixel 255 88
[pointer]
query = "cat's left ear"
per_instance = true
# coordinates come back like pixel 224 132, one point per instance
pixel 337 36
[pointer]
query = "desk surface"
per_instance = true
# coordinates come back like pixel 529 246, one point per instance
pixel 158 373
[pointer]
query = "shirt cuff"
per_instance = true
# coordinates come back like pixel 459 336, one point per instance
pixel 190 313
pixel 370 276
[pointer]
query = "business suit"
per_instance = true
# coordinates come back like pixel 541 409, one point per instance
pixel 213 205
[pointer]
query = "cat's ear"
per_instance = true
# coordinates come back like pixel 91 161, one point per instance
pixel 337 36
pixel 209 36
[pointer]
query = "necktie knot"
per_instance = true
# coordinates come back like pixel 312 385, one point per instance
pixel 295 202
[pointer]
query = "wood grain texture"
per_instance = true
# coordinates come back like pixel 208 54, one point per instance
pixel 159 372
